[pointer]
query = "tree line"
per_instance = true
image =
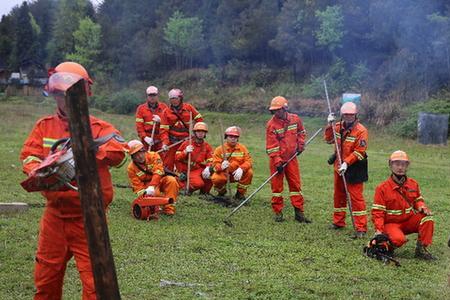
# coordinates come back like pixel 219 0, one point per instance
pixel 374 45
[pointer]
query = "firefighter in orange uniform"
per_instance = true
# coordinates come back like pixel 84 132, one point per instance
pixel 285 137
pixel 62 234
pixel 146 175
pixel 352 138
pixel 234 165
pixel 176 123
pixel 201 160
pixel 149 115
pixel 399 208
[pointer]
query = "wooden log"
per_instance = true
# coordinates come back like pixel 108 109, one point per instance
pixel 89 189
pixel 13 207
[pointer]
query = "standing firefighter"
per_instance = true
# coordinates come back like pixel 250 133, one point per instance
pixel 352 138
pixel 201 160
pixel 285 137
pixel 399 208
pixel 62 233
pixel 177 120
pixel 146 175
pixel 148 120
pixel 232 163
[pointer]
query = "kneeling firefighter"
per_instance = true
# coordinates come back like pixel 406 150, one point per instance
pixel 147 178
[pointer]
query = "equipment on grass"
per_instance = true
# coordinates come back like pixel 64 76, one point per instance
pixel 338 155
pixel 379 247
pixel 227 218
pixel 147 207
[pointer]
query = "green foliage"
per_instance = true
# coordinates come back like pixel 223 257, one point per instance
pixel 185 39
pixel 256 259
pixel 125 101
pixel 406 125
pixel 87 44
pixel 331 28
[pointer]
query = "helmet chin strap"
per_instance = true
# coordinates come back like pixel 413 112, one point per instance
pixel 400 179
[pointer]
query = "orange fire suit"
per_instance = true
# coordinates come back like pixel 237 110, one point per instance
pixel 177 122
pixel 238 157
pixel 283 139
pixel 144 123
pixel 394 212
pixel 201 158
pixel 352 149
pixel 62 232
pixel 152 174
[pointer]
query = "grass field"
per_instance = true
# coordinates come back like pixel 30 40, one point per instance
pixel 256 259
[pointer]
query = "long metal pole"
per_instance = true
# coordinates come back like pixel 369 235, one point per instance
pixel 227 173
pixel 227 221
pixel 188 182
pixel 339 157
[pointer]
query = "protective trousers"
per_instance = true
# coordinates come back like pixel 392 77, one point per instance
pixel 219 180
pixel 168 187
pixel 419 222
pixel 357 200
pixel 169 157
pixel 197 182
pixel 292 173
pixel 59 240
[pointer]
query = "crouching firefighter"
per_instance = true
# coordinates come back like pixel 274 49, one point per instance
pixel 399 208
pixel 232 163
pixel 285 137
pixel 51 171
pixel 201 160
pixel 350 138
pixel 147 178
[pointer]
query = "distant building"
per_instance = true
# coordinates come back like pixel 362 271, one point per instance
pixel 29 81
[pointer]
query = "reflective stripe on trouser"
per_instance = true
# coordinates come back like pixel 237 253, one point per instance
pixel 292 172
pixel 358 203
pixel 419 222
pixel 59 240
pixel 197 182
pixel 219 180
pixel 169 157
pixel 168 187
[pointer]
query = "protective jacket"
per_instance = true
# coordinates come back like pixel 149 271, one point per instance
pixel 149 174
pixel 177 121
pixel 145 123
pixel 201 157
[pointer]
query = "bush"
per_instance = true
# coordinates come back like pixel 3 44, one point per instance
pixel 406 126
pixel 125 101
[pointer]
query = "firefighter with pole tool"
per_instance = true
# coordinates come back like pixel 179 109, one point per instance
pixel 399 209
pixel 350 138
pixel 147 177
pixel 175 125
pixel 148 120
pixel 201 160
pixel 234 158
pixel 285 136
pixel 52 170
pixel 189 156
pixel 227 219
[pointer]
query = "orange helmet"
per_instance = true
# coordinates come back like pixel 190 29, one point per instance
pixel 349 108
pixel 200 126
pixel 233 131
pixel 75 68
pixel 278 102
pixel 399 155
pixel 135 146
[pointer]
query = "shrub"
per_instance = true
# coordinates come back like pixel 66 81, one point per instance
pixel 125 101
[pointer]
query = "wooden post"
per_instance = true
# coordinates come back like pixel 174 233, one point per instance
pixel 188 182
pixel 89 189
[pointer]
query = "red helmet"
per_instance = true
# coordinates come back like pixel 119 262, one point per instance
pixel 233 131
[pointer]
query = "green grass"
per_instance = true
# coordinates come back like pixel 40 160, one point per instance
pixel 256 259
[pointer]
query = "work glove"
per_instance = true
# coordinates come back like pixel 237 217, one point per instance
pixel 425 210
pixel 280 168
pixel 225 164
pixel 150 191
pixel 164 148
pixel 206 173
pixel 237 174
pixel 156 119
pixel 343 168
pixel 331 118
pixel 189 149
pixel 149 141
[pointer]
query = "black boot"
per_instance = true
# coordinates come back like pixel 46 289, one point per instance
pixel 300 216
pixel 423 253
pixel 279 217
